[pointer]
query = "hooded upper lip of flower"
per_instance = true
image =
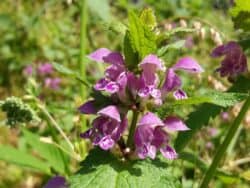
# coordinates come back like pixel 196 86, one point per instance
pixel 173 81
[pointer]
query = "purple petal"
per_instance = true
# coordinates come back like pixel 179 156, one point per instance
pixel 160 137
pixel 142 152
pixel 114 58
pixel 101 84
pixel 172 81
pixel 113 72
pixel 152 62
pixel 168 152
pixel 175 124
pixel 87 134
pixel 224 49
pixel 45 68
pixel 121 128
pixel 180 94
pixel 144 92
pixel 122 80
pixel 188 64
pixel 28 70
pixel 107 56
pixel 112 87
pixel 88 107
pixel 152 151
pixel 155 93
pixel 106 143
pixel 143 135
pixel 111 112
pixel 56 182
pixel 150 119
pixel 99 54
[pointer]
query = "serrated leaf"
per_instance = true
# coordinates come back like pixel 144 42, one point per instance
pixel 131 57
pixel 173 46
pixel 12 155
pixel 241 14
pixel 201 116
pixel 57 159
pixel 142 39
pixel 102 169
pixel 218 98
pixel 148 18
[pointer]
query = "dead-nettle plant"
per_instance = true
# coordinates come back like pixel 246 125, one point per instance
pixel 136 81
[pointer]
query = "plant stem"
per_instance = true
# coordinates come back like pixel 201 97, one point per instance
pixel 222 149
pixel 54 123
pixel 130 140
pixel 83 39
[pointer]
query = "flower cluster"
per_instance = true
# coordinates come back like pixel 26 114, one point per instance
pixel 136 91
pixel 44 71
pixel 16 111
pixel 235 61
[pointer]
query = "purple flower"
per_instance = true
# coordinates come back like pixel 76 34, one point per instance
pixel 115 76
pixel 107 128
pixel 88 107
pixel 56 182
pixel 151 136
pixel 45 68
pixel 28 70
pixel 173 81
pixel 235 61
pixel 52 83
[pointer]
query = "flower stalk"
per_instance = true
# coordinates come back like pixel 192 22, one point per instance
pixel 130 141
pixel 83 37
pixel 54 123
pixel 222 149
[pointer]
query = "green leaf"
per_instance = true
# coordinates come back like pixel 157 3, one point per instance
pixel 201 116
pixel 142 39
pixel 68 72
pixel 148 18
pixel 100 8
pixel 57 159
pixel 12 155
pixel 62 69
pixel 102 169
pixel 241 14
pixel 131 57
pixel 218 98
pixel 173 46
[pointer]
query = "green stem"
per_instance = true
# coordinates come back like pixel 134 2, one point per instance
pixel 54 123
pixel 222 149
pixel 130 141
pixel 83 43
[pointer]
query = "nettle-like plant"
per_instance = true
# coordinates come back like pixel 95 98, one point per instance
pixel 134 113
pixel 133 103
